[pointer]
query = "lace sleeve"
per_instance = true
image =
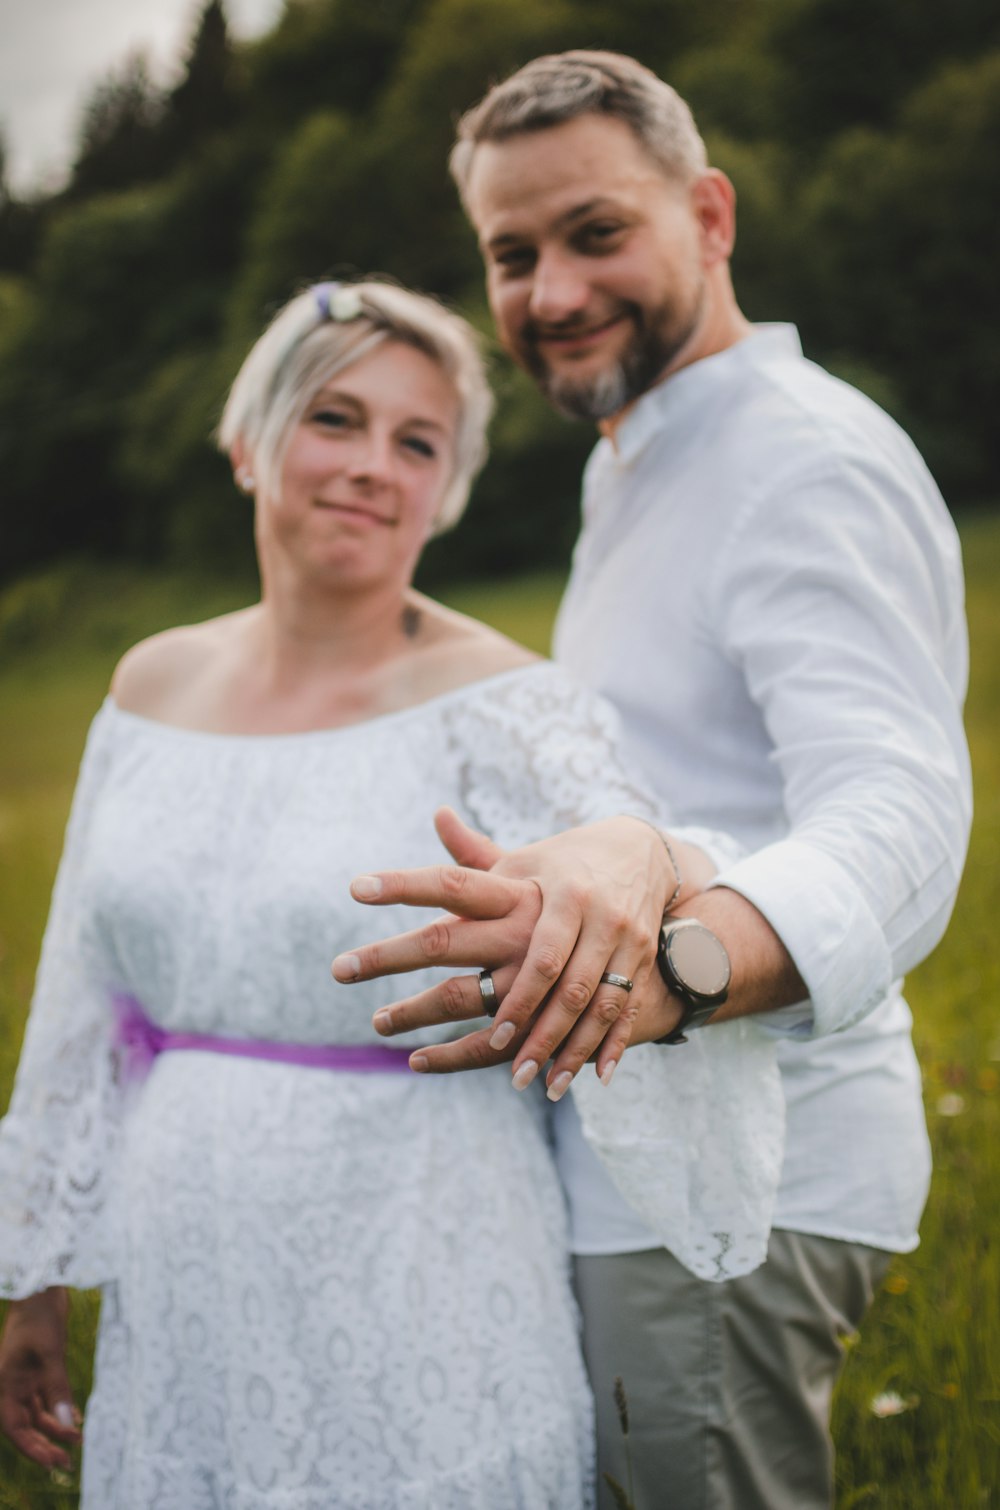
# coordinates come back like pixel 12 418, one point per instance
pixel 60 1130
pixel 693 1136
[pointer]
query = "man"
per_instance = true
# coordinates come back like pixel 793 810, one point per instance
pixel 768 586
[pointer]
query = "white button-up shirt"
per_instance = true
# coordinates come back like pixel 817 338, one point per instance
pixel 768 587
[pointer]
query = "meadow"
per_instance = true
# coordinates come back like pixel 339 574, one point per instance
pixel 917 1418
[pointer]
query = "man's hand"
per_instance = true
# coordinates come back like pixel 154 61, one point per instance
pixel 598 899
pixel 36 1404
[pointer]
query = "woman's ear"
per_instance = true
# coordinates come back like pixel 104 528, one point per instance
pixel 242 472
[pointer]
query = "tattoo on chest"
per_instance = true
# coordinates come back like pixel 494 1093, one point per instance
pixel 411 621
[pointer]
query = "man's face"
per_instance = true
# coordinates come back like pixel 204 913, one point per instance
pixel 593 261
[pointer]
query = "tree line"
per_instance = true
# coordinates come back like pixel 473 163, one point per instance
pixel 863 137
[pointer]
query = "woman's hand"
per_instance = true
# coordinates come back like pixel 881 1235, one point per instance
pixel 36 1403
pixel 603 889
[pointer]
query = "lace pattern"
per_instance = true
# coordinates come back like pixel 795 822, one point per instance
pixel 323 1289
pixel 692 1137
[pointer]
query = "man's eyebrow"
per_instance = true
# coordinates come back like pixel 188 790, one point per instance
pixel 589 207
pixel 568 218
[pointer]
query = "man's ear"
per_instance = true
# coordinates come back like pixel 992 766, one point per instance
pixel 714 201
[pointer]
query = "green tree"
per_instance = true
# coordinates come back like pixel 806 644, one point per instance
pixel 849 63
pixel 327 54
pixel 21 223
pixel 206 101
pixel 119 138
pixel 862 138
pixel 905 244
pixel 317 213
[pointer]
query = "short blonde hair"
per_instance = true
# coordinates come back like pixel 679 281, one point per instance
pixel 304 347
pixel 563 86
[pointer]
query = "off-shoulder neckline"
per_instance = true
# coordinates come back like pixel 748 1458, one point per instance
pixel 380 720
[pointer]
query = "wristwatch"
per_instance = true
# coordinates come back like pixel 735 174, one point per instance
pixel 695 968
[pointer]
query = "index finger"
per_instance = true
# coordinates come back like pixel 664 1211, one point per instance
pixel 445 941
pixel 470 1052
pixel 452 888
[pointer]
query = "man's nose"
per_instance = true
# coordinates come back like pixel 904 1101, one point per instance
pixel 559 288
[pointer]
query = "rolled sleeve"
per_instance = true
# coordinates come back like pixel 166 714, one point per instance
pixel 843 608
pixel 837 942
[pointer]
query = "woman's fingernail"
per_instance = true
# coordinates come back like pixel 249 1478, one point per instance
pixel 63 1413
pixel 382 1021
pixel 366 887
pixel 560 1086
pixel 419 1062
pixel 524 1076
pixel 502 1035
pixel 607 1074
pixel 346 967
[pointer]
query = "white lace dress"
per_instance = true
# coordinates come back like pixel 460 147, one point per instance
pixel 322 1288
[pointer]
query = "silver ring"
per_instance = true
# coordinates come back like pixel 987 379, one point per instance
pixel 611 979
pixel 488 992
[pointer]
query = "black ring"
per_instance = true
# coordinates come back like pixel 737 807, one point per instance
pixel 488 992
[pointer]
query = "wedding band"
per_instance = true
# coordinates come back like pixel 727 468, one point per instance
pixel 488 992
pixel 611 979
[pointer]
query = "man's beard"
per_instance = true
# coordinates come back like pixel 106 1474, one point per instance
pixel 655 343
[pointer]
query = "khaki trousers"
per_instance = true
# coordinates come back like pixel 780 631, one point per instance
pixel 728 1385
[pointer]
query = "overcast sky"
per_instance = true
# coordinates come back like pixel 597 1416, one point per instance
pixel 52 52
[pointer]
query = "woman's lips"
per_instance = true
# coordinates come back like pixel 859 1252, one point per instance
pixel 355 511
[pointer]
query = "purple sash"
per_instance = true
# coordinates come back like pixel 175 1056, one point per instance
pixel 138 1041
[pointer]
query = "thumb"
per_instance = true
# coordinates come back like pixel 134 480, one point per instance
pixel 56 1398
pixel 466 845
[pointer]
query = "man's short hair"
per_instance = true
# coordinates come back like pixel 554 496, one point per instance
pixel 562 86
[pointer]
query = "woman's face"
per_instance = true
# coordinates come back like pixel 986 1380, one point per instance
pixel 365 468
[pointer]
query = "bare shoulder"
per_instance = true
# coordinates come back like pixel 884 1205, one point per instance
pixel 462 649
pixel 148 677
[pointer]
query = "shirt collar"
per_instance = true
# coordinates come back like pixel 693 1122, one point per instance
pixel 669 403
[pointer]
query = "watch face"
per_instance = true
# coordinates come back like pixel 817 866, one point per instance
pixel 700 960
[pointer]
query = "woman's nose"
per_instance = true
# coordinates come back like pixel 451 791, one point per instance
pixel 371 458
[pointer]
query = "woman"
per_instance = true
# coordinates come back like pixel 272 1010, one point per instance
pixel 327 1281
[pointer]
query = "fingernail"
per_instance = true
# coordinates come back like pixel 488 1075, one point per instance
pixel 419 1062
pixel 346 967
pixel 606 1074
pixel 502 1035
pixel 382 1021
pixel 524 1076
pixel 63 1413
pixel 366 887
pixel 560 1086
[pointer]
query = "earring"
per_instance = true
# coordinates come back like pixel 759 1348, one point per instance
pixel 245 481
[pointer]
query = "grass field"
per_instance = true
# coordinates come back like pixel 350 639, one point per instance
pixel 931 1346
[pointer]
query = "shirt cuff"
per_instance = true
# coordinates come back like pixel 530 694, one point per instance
pixel 722 849
pixel 827 927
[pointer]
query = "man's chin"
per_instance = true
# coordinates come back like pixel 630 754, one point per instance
pixel 594 398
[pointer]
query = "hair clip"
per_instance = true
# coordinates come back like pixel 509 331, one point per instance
pixel 337 301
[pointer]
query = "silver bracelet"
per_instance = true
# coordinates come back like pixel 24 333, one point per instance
pixel 673 858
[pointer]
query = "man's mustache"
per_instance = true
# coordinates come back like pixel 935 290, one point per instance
pixel 534 331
